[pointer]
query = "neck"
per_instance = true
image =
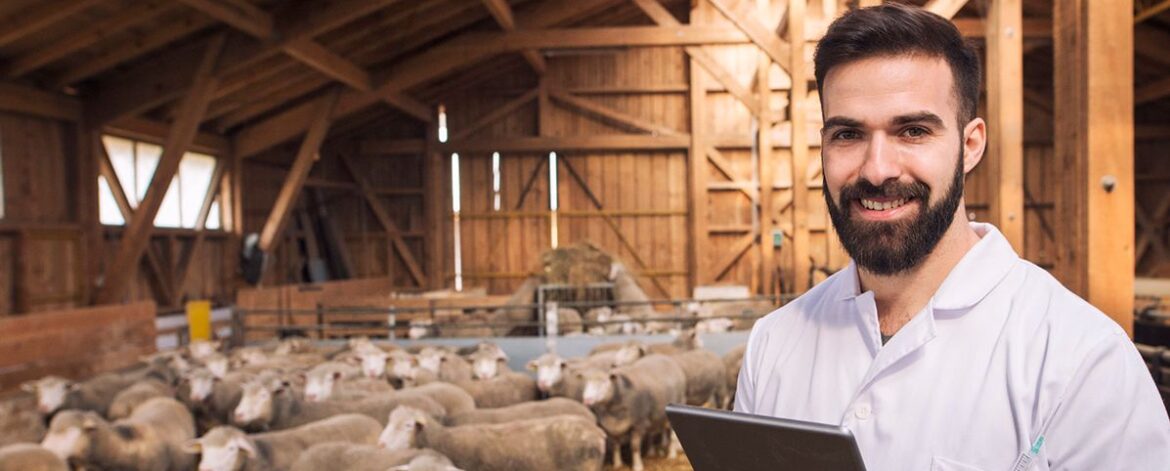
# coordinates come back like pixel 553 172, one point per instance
pixel 900 296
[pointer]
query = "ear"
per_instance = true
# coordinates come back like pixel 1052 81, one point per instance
pixel 974 143
pixel 192 446
pixel 443 359
pixel 73 386
pixel 564 365
pixel 336 375
pixel 247 446
pixel 28 387
pixel 88 424
pixel 531 365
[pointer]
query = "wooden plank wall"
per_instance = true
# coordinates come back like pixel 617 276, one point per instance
pixel 75 343
pixel 1152 175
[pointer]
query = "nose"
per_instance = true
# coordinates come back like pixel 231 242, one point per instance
pixel 881 161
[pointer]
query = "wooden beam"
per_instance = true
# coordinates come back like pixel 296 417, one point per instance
pixel 945 8
pixel 502 12
pixel 495 115
pixel 761 35
pixel 45 54
pixel 153 131
pixel 188 260
pixel 724 166
pixel 428 65
pixel 1152 91
pixel 1152 132
pixel 801 240
pixel 1005 119
pixel 603 142
pixel 612 115
pixel 1151 11
pixel 412 107
pixel 697 222
pixel 113 100
pixel 40 16
pixel 23 99
pixel 1148 43
pixel 259 26
pixel 592 37
pixel 1093 123
pixel 767 163
pixel 329 63
pixel 159 36
pixel 388 225
pixel 273 230
pixel 740 247
pixel 106 169
pixel 183 131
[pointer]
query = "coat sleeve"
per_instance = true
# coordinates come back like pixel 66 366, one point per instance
pixel 1111 416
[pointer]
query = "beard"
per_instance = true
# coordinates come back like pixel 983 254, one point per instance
pixel 893 247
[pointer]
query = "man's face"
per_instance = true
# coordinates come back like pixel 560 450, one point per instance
pixel 892 151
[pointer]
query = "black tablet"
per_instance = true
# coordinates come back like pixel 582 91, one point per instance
pixel 720 440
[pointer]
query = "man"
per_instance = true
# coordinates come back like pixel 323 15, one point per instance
pixel 938 347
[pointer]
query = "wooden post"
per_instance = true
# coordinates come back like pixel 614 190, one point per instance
pixel 796 112
pixel 1094 150
pixel 433 200
pixel 88 212
pixel 291 189
pixel 697 174
pixel 182 134
pixel 767 174
pixel 1005 118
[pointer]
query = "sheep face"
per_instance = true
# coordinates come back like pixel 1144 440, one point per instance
pixel 319 385
pixel 51 392
pixel 419 330
pixel 202 384
pixel 70 432
pixel 486 364
pixel 255 404
pixel 222 449
pixel 599 387
pixel 430 359
pixel 550 371
pixel 629 354
pixel 402 365
pixel 201 349
pixel 217 364
pixel 373 363
pixel 404 425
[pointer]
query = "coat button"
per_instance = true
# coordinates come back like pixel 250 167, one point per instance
pixel 862 412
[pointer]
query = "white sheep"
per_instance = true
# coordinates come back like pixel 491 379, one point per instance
pixel 149 440
pixel 229 449
pixel 353 457
pixel 30 457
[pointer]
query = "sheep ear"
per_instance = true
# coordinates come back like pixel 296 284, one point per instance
pixel 442 359
pixel 247 446
pixel 28 387
pixel 531 366
pixel 336 375
pixel 564 365
pixel 88 424
pixel 192 446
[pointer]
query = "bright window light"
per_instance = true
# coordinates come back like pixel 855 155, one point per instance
pixel 442 123
pixel 457 236
pixel 108 212
pixel 496 181
pixel 552 181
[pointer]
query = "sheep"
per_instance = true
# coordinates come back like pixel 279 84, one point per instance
pixel 19 421
pixel 563 443
pixel 270 404
pixel 320 379
pixel 135 395
pixel 149 440
pixel 353 457
pixel 212 399
pixel 706 377
pixel 558 377
pixel 217 363
pixel 227 448
pixel 449 366
pixel 200 349
pixel 523 410
pixel 489 363
pixel 453 398
pixel 503 390
pixel 30 457
pixel 630 401
pixel 425 462
pixel 373 363
pixel 55 393
pixel 732 362
pixel 399 366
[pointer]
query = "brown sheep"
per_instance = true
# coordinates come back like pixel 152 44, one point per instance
pixel 149 440
pixel 30 457
pixel 630 402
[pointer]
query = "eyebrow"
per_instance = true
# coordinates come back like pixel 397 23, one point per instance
pixel 923 117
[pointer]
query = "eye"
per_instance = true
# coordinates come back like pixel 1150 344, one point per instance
pixel 846 135
pixel 916 132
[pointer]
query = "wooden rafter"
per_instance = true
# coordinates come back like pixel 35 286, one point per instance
pixel 315 55
pixel 495 115
pixel 429 65
pixel 612 142
pixel 945 8
pixel 1151 11
pixel 273 230
pixel 723 166
pixel 39 17
pixel 739 248
pixel 388 225
pixel 162 35
pixel 657 13
pixel 61 47
pixel 182 134
pixel 502 12
pixel 763 37
pixel 612 115
pixel 1153 91
pixel 187 261
pixel 253 22
pixel 1034 28
pixel 609 220
pixel 1150 223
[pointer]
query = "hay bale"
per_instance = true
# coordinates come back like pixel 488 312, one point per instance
pixel 579 264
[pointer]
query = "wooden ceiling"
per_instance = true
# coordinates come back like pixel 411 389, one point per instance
pixel 135 58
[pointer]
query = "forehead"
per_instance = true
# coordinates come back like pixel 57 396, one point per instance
pixel 875 89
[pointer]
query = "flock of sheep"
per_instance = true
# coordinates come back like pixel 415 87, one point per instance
pixel 296 405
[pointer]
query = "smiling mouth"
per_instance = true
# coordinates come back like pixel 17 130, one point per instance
pixel 874 205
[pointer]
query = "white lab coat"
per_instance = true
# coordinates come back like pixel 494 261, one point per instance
pixel 1001 355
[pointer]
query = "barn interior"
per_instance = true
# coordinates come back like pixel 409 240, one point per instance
pixel 554 175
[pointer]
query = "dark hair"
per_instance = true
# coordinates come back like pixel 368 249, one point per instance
pixel 893 29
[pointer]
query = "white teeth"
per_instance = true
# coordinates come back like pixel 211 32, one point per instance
pixel 878 206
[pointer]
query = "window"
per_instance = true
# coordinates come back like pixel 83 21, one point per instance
pixel 134 164
pixel 496 181
pixel 455 207
pixel 442 123
pixel 553 197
